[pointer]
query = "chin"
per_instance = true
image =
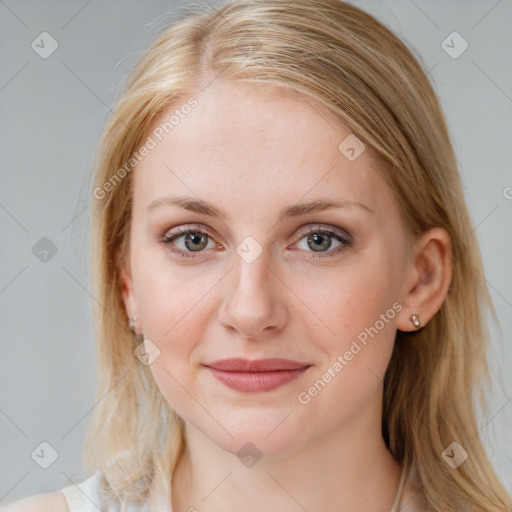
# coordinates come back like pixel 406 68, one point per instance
pixel 255 439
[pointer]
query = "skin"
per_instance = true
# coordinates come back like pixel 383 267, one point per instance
pixel 253 151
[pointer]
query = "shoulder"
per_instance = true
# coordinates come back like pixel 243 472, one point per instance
pixel 46 502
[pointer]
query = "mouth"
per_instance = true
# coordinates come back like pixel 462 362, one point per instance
pixel 257 375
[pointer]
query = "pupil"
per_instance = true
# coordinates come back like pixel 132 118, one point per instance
pixel 194 237
pixel 315 239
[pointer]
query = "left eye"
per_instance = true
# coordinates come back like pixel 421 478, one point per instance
pixel 320 240
pixel 197 239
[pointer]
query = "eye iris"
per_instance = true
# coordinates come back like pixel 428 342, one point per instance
pixel 197 238
pixel 319 237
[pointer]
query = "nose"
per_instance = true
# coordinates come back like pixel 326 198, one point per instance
pixel 254 303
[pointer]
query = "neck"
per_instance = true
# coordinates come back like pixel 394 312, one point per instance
pixel 350 469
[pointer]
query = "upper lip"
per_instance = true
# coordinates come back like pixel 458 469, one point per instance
pixel 240 364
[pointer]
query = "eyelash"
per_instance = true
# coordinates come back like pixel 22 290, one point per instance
pixel 168 239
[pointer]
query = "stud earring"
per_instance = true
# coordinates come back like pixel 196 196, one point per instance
pixel 132 322
pixel 415 319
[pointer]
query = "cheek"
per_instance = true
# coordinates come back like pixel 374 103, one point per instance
pixel 176 306
pixel 360 309
pixel 351 299
pixel 171 299
pixel 358 304
pixel 172 304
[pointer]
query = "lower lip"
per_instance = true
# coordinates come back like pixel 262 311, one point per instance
pixel 256 381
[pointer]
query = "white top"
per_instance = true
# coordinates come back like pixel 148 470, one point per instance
pixel 85 496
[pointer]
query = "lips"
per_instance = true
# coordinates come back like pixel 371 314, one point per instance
pixel 239 364
pixel 258 375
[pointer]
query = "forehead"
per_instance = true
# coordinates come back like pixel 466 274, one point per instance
pixel 245 145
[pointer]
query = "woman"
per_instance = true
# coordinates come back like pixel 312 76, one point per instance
pixel 291 314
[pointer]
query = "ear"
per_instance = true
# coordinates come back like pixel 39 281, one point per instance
pixel 429 278
pixel 127 291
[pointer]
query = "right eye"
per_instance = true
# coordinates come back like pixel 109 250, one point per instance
pixel 194 240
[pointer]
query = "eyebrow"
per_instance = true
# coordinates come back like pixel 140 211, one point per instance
pixel 204 207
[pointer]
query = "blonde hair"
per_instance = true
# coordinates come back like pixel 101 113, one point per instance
pixel 351 63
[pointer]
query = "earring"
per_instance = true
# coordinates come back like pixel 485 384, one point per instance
pixel 132 322
pixel 415 319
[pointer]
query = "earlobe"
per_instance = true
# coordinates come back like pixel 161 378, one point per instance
pixel 431 273
pixel 128 295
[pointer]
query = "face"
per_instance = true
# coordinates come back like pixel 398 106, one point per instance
pixel 320 287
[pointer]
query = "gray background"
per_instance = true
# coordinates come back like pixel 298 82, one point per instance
pixel 51 114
